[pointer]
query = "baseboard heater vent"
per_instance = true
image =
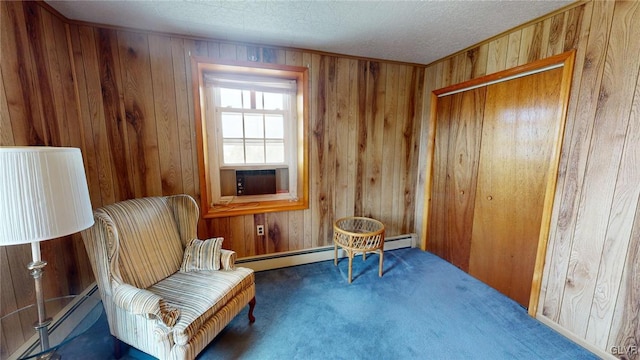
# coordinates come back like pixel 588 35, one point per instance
pixel 293 258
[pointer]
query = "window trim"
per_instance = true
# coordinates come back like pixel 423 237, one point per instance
pixel 202 65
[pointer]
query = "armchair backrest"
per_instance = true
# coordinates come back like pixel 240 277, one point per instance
pixel 144 241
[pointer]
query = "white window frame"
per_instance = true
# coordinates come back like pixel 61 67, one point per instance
pixel 215 143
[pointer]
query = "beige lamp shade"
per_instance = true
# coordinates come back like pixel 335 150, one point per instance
pixel 43 194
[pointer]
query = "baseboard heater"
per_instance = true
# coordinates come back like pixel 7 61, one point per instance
pixel 308 256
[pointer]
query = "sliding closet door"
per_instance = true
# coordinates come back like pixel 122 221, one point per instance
pixel 519 134
pixel 457 150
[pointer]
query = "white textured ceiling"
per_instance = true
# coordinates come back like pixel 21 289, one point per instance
pixel 409 31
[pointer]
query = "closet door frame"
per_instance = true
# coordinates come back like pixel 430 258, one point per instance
pixel 566 61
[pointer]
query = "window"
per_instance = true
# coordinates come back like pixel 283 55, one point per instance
pixel 252 143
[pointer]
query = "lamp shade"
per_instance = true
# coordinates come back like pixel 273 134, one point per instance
pixel 43 194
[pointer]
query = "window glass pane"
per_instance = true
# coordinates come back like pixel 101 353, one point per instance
pixel 230 98
pixel 233 150
pixel 259 100
pixel 273 101
pixel 253 126
pixel 275 151
pixel 231 125
pixel 274 126
pixel 246 99
pixel 255 151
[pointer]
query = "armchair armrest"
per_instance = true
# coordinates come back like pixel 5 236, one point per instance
pixel 144 302
pixel 228 259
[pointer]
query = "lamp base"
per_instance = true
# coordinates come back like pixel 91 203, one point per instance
pixel 43 332
pixel 42 325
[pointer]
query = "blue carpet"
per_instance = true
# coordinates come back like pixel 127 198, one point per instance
pixel 422 308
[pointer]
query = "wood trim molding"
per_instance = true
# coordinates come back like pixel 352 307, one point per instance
pixel 200 65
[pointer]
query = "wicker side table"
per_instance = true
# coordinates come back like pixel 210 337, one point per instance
pixel 358 235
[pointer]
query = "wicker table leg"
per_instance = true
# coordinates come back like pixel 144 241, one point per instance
pixel 350 263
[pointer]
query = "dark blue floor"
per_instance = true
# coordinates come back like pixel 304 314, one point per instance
pixel 422 308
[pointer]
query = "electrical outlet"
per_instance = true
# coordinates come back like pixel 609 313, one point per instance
pixel 260 230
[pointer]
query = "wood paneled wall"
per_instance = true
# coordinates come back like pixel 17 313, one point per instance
pixel 37 107
pixel 124 97
pixel 591 283
pixel 136 110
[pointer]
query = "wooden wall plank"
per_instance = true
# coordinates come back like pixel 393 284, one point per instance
pixel 235 240
pixel 401 157
pixel 578 146
pixel 425 162
pixel 6 135
pixel 293 57
pixel 164 99
pixel 513 49
pixel 17 75
pixel 351 115
pixel 361 129
pixel 227 51
pixel 342 140
pixel 40 82
pixel 85 118
pixel 479 61
pixel 625 332
pixel 561 247
pixel 295 229
pixel 277 231
pixel 72 123
pixel 184 108
pixel 417 114
pixel 140 115
pixel 555 44
pixel 192 48
pixel 389 138
pixel 55 122
pixel 604 155
pixel 375 130
pixel 329 156
pixel 308 214
pixel 107 93
pixel 618 130
pixel 497 57
pixel 531 48
pixel 250 243
pixel 317 198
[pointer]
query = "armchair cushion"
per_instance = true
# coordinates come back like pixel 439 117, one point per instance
pixel 200 295
pixel 202 255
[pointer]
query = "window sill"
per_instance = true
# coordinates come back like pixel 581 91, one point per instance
pixel 255 207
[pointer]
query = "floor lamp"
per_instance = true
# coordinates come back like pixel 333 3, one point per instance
pixel 43 196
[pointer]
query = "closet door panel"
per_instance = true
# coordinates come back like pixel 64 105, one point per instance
pixel 521 121
pixel 457 149
pixel 437 235
pixel 465 134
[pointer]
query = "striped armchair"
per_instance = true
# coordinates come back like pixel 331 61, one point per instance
pixel 164 291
